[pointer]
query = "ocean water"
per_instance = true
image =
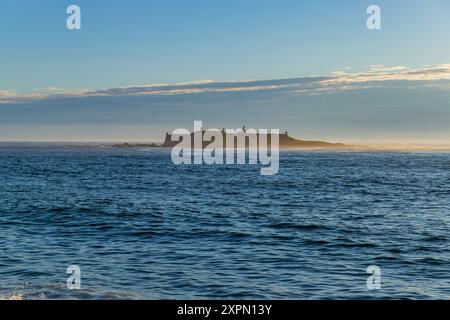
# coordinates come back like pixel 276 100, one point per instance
pixel 140 227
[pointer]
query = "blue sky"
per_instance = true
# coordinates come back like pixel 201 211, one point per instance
pixel 132 43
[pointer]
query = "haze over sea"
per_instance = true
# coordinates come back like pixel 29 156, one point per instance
pixel 140 227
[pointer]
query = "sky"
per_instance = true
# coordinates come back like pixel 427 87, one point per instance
pixel 140 68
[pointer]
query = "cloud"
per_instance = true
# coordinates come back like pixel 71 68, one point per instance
pixel 343 80
pixel 12 97
pixel 379 73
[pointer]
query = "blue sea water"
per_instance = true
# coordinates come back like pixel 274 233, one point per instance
pixel 140 227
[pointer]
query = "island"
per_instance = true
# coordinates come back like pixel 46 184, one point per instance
pixel 285 142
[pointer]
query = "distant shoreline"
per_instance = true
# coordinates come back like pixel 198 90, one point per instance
pixel 394 147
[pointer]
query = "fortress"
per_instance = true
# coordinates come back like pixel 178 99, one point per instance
pixel 285 141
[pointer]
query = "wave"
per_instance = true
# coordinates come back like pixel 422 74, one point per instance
pixel 12 297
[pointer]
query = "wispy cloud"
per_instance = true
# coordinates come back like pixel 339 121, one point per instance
pixel 12 97
pixel 382 73
pixel 336 81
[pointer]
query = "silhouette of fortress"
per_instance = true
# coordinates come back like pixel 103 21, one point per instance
pixel 284 140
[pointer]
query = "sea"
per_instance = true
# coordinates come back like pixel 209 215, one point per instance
pixel 139 227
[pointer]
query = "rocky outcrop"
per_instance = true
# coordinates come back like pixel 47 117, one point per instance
pixel 137 145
